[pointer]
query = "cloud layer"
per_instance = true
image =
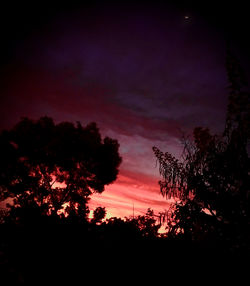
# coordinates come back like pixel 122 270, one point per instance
pixel 143 75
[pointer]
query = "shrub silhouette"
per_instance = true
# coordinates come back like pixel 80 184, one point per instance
pixel 98 215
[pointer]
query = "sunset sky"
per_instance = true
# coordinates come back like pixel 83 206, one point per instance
pixel 144 71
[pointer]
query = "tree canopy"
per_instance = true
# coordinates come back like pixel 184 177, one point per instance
pixel 211 181
pixel 51 168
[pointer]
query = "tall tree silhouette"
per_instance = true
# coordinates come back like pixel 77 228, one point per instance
pixel 211 181
pixel 49 168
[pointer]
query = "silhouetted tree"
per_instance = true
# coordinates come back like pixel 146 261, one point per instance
pixel 118 229
pixel 47 168
pixel 140 227
pixel 98 215
pixel 211 181
pixel 147 224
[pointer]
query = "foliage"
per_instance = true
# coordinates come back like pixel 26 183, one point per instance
pixel 147 224
pixel 48 169
pixel 48 173
pixel 139 227
pixel 211 181
pixel 99 214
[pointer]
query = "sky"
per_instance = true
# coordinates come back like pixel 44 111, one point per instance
pixel 144 71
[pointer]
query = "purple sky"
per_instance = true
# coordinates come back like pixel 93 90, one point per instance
pixel 144 73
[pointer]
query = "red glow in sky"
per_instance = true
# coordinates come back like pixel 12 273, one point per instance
pixel 130 196
pixel 142 73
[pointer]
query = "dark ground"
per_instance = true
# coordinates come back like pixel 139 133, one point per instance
pixel 67 255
